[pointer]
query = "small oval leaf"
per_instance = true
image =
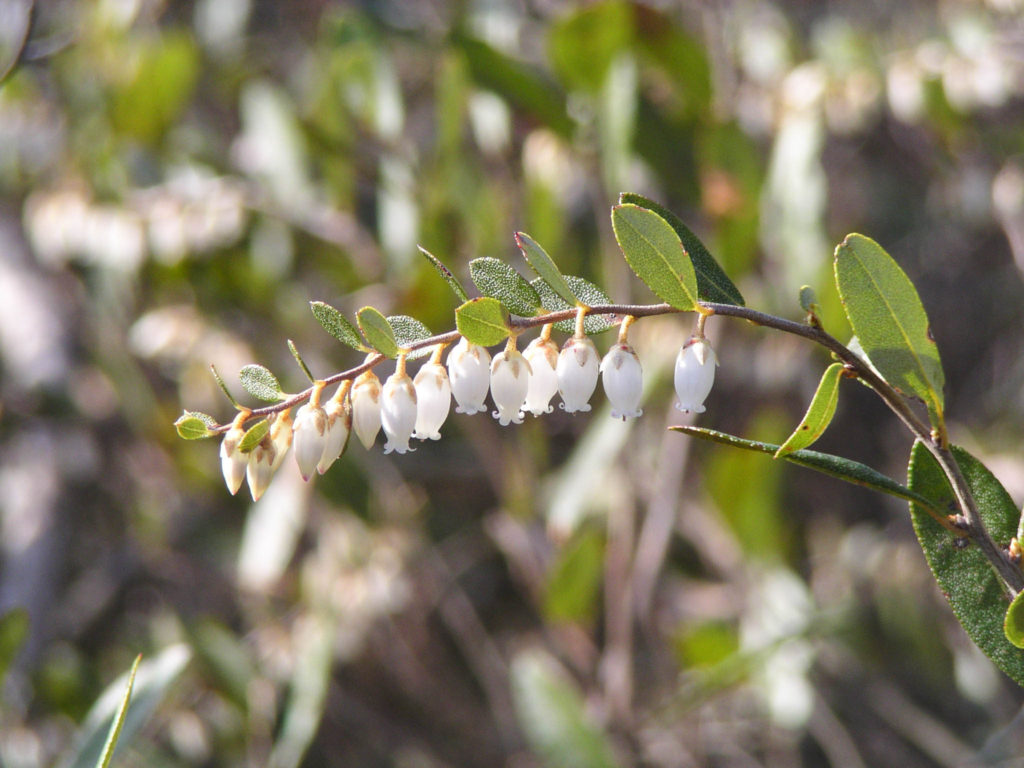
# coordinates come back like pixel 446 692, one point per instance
pixel 408 331
pixel 656 254
pixel 377 331
pixel 253 436
pixel 712 282
pixel 195 425
pixel 260 383
pixel 452 280
pixel 589 294
pixel 545 268
pixel 809 300
pixel 887 316
pixel 495 278
pixel 819 413
pixel 335 324
pixel 1013 623
pixel 482 321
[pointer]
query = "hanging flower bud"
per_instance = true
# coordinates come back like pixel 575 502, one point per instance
pixel 398 410
pixel 232 461
pixel 433 400
pixel 280 435
pixel 695 373
pixel 310 438
pixel 577 373
pixel 260 469
pixel 623 381
pixel 542 355
pixel 339 425
pixel 468 366
pixel 510 377
pixel 366 408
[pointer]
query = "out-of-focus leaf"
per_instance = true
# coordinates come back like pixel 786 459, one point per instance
pixel 409 330
pixel 152 679
pixel 683 58
pixel 482 321
pixel 712 282
pixel 545 268
pixel 819 413
pixel 253 436
pixel 517 83
pixel 495 278
pixel 1013 623
pixel 195 425
pixel 118 721
pixel 972 587
pixel 706 644
pixel 553 717
pixel 656 254
pixel 335 324
pixel 260 383
pixel 887 315
pixel 452 280
pixel 14 626
pixel 589 294
pixel 574 583
pixel 225 658
pixel 583 43
pixel 377 331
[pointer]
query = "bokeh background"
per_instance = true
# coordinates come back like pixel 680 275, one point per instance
pixel 179 179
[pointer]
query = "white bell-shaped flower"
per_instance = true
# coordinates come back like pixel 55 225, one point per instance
pixel 623 381
pixel 281 432
pixel 232 461
pixel 339 425
pixel 577 371
pixel 694 375
pixel 433 400
pixel 469 373
pixel 366 408
pixel 542 355
pixel 260 469
pixel 310 438
pixel 398 411
pixel 510 378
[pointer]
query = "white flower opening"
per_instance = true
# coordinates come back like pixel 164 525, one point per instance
pixel 542 355
pixel 510 377
pixel 469 374
pixel 433 400
pixel 694 374
pixel 622 377
pixel 577 372
pixel 398 410
pixel 366 408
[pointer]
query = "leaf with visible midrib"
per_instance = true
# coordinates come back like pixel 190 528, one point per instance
pixel 545 268
pixel 712 282
pixel 408 331
pixel 889 320
pixel 819 413
pixel 377 331
pixel 500 281
pixel 260 383
pixel 446 274
pixel 973 588
pixel 335 324
pixel 482 321
pixel 195 425
pixel 656 254
pixel 588 293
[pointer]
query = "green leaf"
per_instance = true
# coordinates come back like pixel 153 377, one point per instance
pixel 452 280
pixel 195 425
pixel 152 679
pixel 260 383
pixel 573 586
pixel 819 413
pixel 545 268
pixel 589 294
pixel 377 331
pixel 408 331
pixel 887 316
pixel 118 723
pixel 583 43
pixel 495 278
pixel 14 626
pixel 969 582
pixel 809 300
pixel 553 716
pixel 1013 623
pixel 335 324
pixel 253 436
pixel 836 466
pixel 482 321
pixel 712 282
pixel 654 251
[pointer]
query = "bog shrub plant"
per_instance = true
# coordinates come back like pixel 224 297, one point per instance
pixel 965 521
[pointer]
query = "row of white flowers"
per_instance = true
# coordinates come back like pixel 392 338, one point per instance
pixel 406 408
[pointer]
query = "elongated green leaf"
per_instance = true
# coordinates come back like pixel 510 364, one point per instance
pixel 408 331
pixel 482 321
pixel 260 383
pixel 195 425
pixel 545 268
pixel 452 280
pixel 886 314
pixel 836 466
pixel 335 324
pixel 589 294
pixel 500 281
pixel 654 251
pixel 819 413
pixel 1013 623
pixel 253 436
pixel 712 282
pixel 118 723
pixel 377 331
pixel 970 584
pixel 14 627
